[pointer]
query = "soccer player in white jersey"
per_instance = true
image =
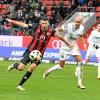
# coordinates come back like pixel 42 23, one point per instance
pixel 73 31
pixel 94 47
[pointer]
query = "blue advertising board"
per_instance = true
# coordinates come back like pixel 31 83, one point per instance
pixel 50 54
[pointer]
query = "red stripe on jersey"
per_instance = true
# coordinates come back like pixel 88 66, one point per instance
pixel 48 38
pixel 35 39
pixel 41 41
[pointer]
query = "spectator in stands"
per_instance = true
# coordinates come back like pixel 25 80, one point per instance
pixel 74 3
pixel 5 1
pixel 82 2
pixel 53 19
pixel 84 8
pixel 90 5
pixel 1 1
pixel 9 1
pixel 11 10
pixel 62 9
pixel 69 10
pixel 96 3
pixel 54 8
pixel 4 29
pixel 43 9
pixel 1 19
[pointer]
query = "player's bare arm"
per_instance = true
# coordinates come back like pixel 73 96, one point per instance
pixel 83 42
pixel 17 22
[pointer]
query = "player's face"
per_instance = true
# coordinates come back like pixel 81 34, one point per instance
pixel 98 27
pixel 44 25
pixel 78 23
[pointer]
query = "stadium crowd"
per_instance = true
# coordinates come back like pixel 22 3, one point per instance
pixel 31 11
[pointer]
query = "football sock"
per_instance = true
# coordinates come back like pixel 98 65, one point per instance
pixel 79 72
pixel 56 67
pixel 15 65
pixel 25 78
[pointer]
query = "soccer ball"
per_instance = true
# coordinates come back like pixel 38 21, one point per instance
pixel 35 55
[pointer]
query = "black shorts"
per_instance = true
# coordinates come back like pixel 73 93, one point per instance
pixel 25 58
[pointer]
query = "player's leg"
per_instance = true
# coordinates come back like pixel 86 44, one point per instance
pixel 16 65
pixel 98 58
pixel 20 66
pixel 79 71
pixel 27 75
pixel 58 66
pixel 54 68
pixel 89 53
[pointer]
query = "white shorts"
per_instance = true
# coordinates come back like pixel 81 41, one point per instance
pixel 91 51
pixel 65 52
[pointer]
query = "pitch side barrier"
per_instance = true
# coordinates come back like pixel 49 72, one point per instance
pixel 12 48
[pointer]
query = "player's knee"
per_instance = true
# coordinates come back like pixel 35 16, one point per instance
pixel 32 67
pixel 62 63
pixel 20 68
pixel 62 66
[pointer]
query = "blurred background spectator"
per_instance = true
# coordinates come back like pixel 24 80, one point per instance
pixel 31 11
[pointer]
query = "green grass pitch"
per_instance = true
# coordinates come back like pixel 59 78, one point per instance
pixel 60 85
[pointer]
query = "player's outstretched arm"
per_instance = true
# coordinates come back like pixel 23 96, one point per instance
pixel 17 22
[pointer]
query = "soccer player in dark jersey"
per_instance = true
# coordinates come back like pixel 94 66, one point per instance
pixel 42 35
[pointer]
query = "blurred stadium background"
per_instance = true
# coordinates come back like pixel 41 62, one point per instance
pixel 14 40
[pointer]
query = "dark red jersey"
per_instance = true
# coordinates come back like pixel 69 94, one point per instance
pixel 41 39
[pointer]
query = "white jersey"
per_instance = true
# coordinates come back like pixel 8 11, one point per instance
pixel 71 34
pixel 94 38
